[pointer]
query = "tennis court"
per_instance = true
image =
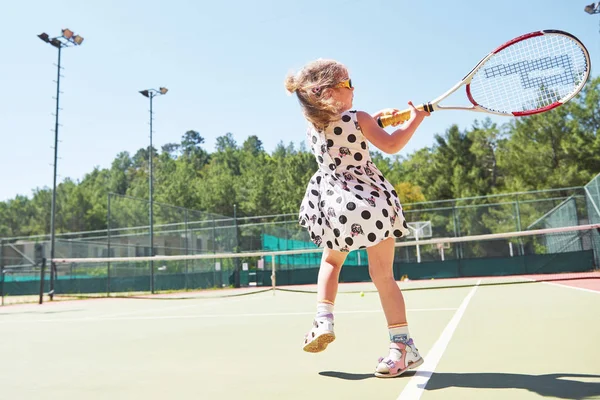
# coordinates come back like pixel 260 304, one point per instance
pixel 495 338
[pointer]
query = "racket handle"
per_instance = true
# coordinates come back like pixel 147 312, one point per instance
pixel 402 116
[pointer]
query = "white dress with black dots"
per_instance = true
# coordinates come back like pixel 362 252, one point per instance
pixel 348 204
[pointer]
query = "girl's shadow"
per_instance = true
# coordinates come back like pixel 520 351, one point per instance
pixel 558 385
pixel 348 376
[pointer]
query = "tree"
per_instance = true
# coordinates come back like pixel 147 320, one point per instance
pixel 254 188
pixel 140 159
pixel 226 142
pixel 191 149
pixel 227 154
pixel 291 173
pixel 253 146
pixel 390 167
pixel 4 215
pixel 119 179
pixel 171 149
pixel 19 215
pixel 409 193
pixel 583 146
pixel 487 139
pixel 176 184
pixel 535 156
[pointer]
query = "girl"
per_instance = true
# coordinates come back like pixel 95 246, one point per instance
pixel 349 205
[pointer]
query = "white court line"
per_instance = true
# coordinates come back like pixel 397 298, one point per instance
pixel 201 316
pixel 416 385
pixel 181 307
pixel 124 313
pixel 204 302
pixel 563 286
pixel 570 287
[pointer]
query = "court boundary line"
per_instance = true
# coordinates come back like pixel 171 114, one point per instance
pixel 159 309
pixel 206 316
pixel 415 387
pixel 569 287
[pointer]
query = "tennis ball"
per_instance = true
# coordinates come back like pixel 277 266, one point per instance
pixel 362 294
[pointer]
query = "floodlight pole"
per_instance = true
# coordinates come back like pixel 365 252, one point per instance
pixel 53 208
pixel 67 39
pixel 151 196
pixel 151 93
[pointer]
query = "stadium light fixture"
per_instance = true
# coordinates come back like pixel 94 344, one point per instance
pixel 593 8
pixel 67 33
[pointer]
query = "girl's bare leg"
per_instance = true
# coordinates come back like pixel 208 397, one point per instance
pixel 381 262
pixel 329 275
pixel 403 354
pixel 322 333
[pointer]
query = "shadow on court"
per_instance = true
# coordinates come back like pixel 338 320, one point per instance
pixel 559 385
pixel 562 386
pixel 348 376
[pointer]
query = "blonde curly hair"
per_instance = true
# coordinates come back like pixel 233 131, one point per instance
pixel 312 85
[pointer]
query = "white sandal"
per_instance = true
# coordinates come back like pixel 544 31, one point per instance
pixel 409 359
pixel 320 335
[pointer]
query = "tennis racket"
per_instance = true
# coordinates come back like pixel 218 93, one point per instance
pixel 530 74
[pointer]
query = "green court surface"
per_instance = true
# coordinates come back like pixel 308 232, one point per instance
pixel 479 341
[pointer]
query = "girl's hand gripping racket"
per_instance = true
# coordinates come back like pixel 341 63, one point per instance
pixel 530 74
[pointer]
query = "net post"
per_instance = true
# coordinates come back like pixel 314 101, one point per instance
pixel 42 273
pixel 273 278
pixel 456 226
pixel 108 247
pixel 187 246
pixel 418 248
pixel 214 236
pixel 237 267
pixel 52 272
pixel 519 227
pixel 440 247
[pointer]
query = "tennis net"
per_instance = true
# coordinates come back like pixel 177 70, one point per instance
pixel 551 253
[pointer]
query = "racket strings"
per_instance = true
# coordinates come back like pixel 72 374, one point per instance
pixel 531 74
pixel 524 67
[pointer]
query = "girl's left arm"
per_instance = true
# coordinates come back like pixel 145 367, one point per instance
pixel 394 142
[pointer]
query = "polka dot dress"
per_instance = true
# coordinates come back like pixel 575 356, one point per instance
pixel 348 204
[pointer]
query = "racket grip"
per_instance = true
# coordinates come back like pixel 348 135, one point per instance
pixel 387 120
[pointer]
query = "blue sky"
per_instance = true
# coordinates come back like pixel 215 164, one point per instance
pixel 224 63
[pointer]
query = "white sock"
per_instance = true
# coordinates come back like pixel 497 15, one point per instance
pixel 399 334
pixel 324 310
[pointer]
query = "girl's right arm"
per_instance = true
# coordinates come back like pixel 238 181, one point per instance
pixel 394 142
